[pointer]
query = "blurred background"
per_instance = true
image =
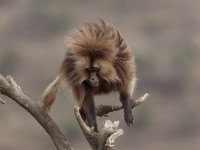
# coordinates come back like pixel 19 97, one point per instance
pixel 165 39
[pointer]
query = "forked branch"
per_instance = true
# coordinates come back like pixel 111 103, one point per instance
pixel 9 88
pixel 105 138
pixel 102 141
pixel 103 110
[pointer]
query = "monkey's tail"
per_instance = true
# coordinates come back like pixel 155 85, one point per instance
pixel 50 92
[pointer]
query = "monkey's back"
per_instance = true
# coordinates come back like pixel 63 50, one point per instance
pixel 98 45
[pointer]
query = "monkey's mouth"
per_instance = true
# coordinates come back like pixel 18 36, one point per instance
pixel 94 84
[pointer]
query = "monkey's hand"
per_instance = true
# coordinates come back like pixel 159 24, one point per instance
pixel 128 116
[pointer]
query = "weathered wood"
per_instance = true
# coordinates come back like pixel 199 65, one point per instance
pixel 98 141
pixel 9 88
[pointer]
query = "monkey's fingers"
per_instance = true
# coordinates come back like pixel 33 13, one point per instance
pixel 128 118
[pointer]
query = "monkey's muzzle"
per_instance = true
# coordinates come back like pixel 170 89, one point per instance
pixel 94 82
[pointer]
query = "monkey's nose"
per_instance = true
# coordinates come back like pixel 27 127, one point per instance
pixel 92 78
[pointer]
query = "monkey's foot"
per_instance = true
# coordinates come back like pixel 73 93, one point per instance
pixel 128 117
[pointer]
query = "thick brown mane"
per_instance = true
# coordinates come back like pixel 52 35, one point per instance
pixel 102 42
pixel 93 39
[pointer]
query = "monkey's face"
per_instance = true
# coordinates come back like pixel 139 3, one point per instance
pixel 93 79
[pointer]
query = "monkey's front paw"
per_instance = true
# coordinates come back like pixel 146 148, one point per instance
pixel 128 118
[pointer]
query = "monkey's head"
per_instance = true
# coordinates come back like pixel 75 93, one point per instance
pixel 90 47
pixel 93 78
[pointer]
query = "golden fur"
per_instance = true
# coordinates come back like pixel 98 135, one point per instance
pixel 101 46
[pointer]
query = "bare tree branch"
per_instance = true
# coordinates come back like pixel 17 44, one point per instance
pixel 105 138
pixel 98 141
pixel 9 88
pixel 103 110
pixel 2 101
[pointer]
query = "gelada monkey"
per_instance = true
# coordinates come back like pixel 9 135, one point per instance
pixel 98 60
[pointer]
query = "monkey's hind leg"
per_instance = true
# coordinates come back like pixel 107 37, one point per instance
pixel 88 112
pixel 126 102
